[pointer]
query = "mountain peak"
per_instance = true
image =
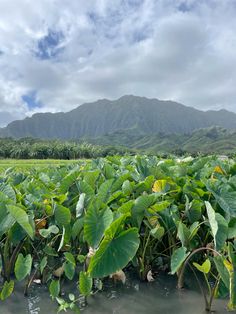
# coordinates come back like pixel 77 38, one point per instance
pixel 148 116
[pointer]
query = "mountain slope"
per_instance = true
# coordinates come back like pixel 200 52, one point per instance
pixel 208 140
pixel 148 116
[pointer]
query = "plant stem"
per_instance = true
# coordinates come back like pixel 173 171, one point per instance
pixel 201 288
pixel 180 284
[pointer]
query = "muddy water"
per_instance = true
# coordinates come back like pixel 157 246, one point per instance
pixel 159 297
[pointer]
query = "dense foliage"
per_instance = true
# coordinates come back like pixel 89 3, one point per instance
pixel 28 148
pixel 205 141
pixel 100 217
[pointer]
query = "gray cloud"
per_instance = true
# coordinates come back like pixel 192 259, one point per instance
pixel 169 49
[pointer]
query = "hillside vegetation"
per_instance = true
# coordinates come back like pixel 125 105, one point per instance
pixel 209 140
pixel 213 140
pixel 28 148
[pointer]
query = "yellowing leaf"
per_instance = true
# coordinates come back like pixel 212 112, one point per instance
pixel 159 186
pixel 228 265
pixel 58 272
pixel 218 169
pixel 153 221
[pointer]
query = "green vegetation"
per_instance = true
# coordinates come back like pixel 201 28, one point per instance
pixel 28 148
pixel 213 140
pixel 89 220
pixel 205 141
pixel 21 164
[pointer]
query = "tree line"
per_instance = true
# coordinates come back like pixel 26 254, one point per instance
pixel 29 148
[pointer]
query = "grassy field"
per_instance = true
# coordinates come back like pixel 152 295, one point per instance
pixel 28 163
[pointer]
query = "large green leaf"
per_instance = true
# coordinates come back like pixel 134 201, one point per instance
pixel 127 187
pixel 104 190
pixel 222 270
pixel 85 188
pixel 116 226
pixel 62 215
pixel 95 223
pixel 91 177
pixel 160 206
pixel 125 208
pixel 115 251
pixel 43 264
pixel 7 289
pixel 194 210
pixel 227 201
pixel 85 283
pixel 109 171
pixel 22 218
pixel 219 227
pixel 8 191
pixel 232 228
pixel 225 198
pixel 141 204
pixel 16 233
pixel 117 184
pixel 222 232
pixel 80 205
pixel 144 202
pixel 114 197
pixel 23 266
pixel 69 180
pixel 231 267
pixel 177 259
pixel 70 258
pixel 77 227
pixel 183 234
pixel 6 223
pixel 54 288
pixel 69 269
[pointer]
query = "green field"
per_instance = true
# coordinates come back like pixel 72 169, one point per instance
pixel 86 220
pixel 28 163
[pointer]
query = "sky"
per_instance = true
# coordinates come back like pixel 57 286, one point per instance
pixel 58 54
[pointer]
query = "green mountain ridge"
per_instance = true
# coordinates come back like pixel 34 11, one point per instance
pixel 207 140
pixel 142 115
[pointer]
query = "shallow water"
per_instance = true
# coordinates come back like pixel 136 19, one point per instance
pixel 159 297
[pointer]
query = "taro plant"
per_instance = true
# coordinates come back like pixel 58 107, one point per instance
pixel 94 219
pixel 181 258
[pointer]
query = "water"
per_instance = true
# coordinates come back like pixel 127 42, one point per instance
pixel 159 297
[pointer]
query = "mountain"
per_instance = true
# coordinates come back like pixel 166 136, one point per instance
pixel 136 114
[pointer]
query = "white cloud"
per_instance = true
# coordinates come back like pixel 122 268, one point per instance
pixel 169 49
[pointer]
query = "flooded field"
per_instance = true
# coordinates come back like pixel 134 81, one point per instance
pixel 159 297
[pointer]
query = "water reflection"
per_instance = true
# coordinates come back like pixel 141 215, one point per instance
pixel 159 297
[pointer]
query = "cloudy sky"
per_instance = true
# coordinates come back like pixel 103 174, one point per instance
pixel 58 54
